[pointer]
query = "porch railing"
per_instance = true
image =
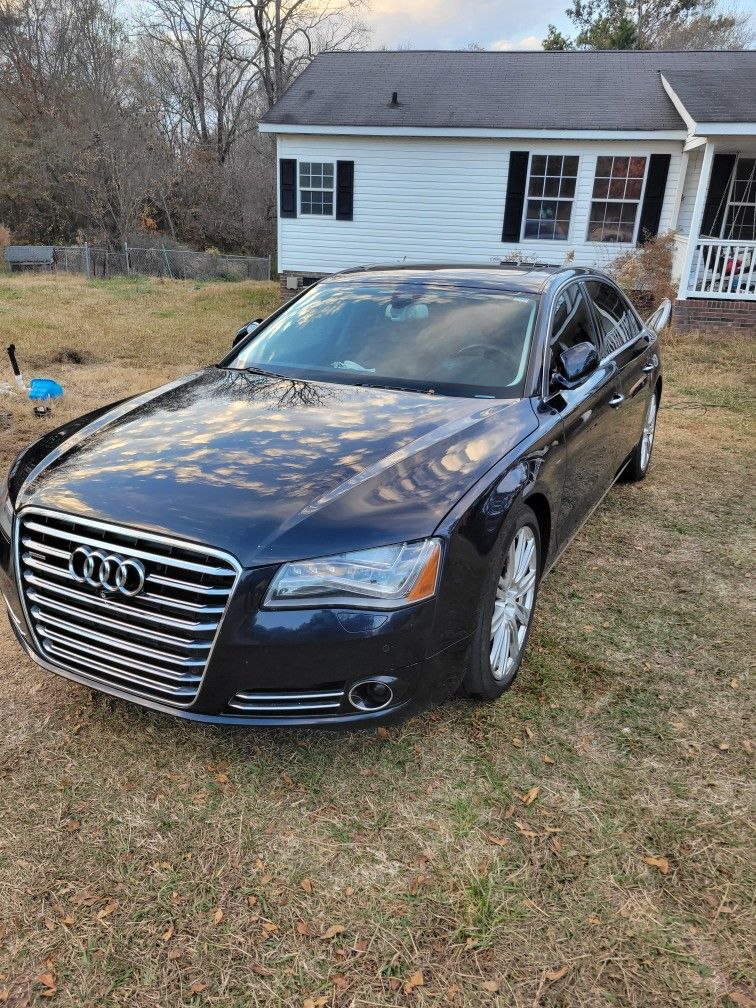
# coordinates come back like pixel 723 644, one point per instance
pixel 723 269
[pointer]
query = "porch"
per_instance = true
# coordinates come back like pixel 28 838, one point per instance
pixel 716 260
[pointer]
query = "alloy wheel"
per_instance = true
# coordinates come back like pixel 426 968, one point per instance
pixel 513 606
pixel 647 439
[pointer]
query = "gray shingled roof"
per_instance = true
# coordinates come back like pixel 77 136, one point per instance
pixel 508 90
pixel 711 96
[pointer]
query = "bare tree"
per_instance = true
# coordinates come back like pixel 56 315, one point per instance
pixel 201 72
pixel 289 33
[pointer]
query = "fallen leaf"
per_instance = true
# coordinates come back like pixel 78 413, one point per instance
pixel 525 829
pixel 72 826
pixel 558 973
pixel 416 980
pixel 382 733
pixel 303 928
pixel 269 927
pixel 529 733
pixel 516 742
pixel 339 981
pixel 332 931
pixel 107 910
pixel 742 1000
pixel 548 760
pixel 218 916
pixel 658 862
pixel 530 796
pixel 197 987
pixel 724 746
pixel 167 935
pixel 47 980
pixel 174 954
pixel 492 986
pixel 499 841
pixel 306 885
pixel 261 970
pixel 452 992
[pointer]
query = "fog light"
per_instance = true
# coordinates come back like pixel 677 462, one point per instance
pixel 370 695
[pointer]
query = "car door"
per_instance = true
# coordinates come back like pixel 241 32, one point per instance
pixel 588 412
pixel 624 340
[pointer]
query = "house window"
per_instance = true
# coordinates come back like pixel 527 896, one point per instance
pixel 617 190
pixel 551 191
pixel 740 219
pixel 316 188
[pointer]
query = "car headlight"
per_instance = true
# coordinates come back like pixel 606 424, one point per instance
pixel 384 578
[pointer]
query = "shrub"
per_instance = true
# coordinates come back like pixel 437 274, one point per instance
pixel 645 273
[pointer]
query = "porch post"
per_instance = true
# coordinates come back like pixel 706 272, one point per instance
pixel 696 218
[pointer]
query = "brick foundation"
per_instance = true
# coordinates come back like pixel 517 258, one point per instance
pixel 700 313
pixel 304 280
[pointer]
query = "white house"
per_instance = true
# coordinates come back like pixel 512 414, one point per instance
pixel 485 156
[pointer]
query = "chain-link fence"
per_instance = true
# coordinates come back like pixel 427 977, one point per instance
pixel 180 264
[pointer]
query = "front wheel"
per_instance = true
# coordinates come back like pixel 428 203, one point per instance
pixel 507 612
pixel 637 467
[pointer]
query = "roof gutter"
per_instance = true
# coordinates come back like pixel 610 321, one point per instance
pixel 473 132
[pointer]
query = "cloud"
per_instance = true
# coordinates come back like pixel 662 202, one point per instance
pixel 529 42
pixel 437 24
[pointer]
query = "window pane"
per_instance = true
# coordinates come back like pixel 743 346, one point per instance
pixel 570 165
pixel 601 187
pixel 620 167
pixel 553 165
pixel 552 187
pixel 603 166
pixel 567 188
pixel 572 324
pixel 538 165
pixel 637 168
pixel 617 323
pixel 633 188
pixel 536 186
pixel 617 188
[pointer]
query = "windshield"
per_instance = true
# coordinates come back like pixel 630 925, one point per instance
pixel 408 335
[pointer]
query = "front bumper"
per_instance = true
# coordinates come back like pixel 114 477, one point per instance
pixel 279 651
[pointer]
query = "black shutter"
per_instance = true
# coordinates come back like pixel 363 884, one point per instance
pixel 344 190
pixel 287 170
pixel 656 184
pixel 518 173
pixel 716 199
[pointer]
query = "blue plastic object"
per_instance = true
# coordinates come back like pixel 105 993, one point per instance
pixel 45 388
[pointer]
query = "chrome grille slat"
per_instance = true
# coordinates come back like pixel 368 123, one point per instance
pixel 132 551
pixel 128 645
pixel 156 643
pixel 290 702
pixel 118 607
pixel 87 648
pixel 182 604
pixel 119 675
pixel 98 620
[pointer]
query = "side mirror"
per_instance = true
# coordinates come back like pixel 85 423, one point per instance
pixel 660 319
pixel 575 364
pixel 245 330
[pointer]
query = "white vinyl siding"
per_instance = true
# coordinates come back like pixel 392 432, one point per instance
pixel 689 190
pixel 435 200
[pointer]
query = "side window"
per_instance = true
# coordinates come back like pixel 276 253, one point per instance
pixel 572 324
pixel 616 321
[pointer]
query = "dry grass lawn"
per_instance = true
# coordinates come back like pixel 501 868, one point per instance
pixel 151 863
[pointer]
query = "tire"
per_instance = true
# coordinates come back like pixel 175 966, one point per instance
pixel 637 468
pixel 486 677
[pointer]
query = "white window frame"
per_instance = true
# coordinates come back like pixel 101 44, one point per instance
pixel 732 203
pixel 608 199
pixel 557 199
pixel 321 189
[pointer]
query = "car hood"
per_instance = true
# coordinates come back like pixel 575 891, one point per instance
pixel 274 469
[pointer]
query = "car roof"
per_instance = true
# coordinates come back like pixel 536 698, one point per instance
pixel 520 278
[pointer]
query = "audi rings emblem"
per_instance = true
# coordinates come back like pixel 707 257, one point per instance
pixel 108 571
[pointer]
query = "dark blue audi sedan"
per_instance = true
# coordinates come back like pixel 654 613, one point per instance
pixel 348 518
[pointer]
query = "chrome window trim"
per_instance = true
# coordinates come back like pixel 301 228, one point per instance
pixel 141 534
pixel 582 280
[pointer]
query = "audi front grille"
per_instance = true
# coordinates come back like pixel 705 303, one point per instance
pixel 77 579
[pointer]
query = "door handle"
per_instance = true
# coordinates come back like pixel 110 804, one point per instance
pixel 617 400
pixel 649 368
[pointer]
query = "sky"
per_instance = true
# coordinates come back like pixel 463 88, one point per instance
pixel 454 24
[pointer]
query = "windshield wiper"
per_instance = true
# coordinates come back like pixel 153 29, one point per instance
pixel 395 388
